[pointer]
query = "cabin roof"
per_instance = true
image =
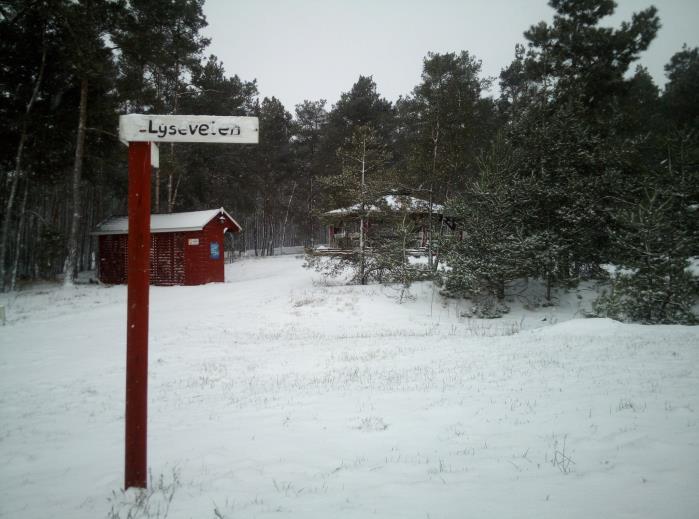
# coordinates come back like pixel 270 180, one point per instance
pixel 173 222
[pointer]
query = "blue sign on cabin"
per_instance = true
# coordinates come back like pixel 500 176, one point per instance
pixel 215 251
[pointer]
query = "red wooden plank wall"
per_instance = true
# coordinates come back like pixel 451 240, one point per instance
pixel 174 258
pixel 200 267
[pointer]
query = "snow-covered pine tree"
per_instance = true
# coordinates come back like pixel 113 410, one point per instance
pixel 655 229
pixel 445 122
pixel 364 178
pixel 563 100
pixel 558 168
pixel 491 252
pixel 393 240
pixel 654 283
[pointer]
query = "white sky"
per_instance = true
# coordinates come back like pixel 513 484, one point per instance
pixel 312 49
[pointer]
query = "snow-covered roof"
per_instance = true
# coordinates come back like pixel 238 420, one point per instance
pixel 394 203
pixel 173 222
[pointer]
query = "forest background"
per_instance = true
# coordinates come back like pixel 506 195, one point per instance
pixel 581 161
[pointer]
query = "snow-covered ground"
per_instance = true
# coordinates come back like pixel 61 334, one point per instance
pixel 280 394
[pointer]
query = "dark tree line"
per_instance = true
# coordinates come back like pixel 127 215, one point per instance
pixel 580 162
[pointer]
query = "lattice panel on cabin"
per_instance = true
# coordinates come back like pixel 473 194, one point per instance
pixel 113 260
pixel 166 259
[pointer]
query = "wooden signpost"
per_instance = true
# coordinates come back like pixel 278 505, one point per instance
pixel 139 131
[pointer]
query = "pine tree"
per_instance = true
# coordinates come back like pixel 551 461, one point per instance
pixel 444 125
pixel 21 82
pixel 309 128
pixel 161 45
pixel 491 251
pixel 655 230
pixel 654 284
pixel 362 105
pixel 274 168
pixel 87 23
pixel 573 149
pixel 365 177
pixel 216 175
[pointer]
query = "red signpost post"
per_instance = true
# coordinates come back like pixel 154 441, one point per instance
pixel 139 131
pixel 137 316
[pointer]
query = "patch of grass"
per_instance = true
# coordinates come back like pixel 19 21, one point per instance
pixel 152 502
pixel 561 456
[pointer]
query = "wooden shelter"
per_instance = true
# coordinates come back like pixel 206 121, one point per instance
pixel 343 224
pixel 186 248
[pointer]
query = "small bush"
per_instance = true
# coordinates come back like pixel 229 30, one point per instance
pixel 645 298
pixel 487 307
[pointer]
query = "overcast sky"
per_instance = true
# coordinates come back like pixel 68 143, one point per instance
pixel 313 49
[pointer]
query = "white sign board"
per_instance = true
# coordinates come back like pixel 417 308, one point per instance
pixel 188 128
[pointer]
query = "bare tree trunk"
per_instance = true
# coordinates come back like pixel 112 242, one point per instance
pixel 271 236
pixel 171 195
pixel 169 191
pixel 157 190
pixel 90 240
pixel 9 206
pixel 440 234
pixel 261 232
pixel 310 238
pixel 265 233
pixel 286 218
pixel 174 194
pixel 82 238
pixel 435 144
pixel 257 231
pixel 70 263
pixel 436 260
pixel 404 260
pixel 362 257
pixel 18 241
pixel 18 170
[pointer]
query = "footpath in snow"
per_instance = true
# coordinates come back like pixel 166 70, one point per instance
pixel 279 393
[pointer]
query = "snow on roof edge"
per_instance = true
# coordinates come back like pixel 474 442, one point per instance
pixel 394 204
pixel 240 227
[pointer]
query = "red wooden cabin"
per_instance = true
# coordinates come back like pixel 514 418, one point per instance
pixel 186 248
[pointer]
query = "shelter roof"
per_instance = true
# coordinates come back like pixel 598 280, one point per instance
pixel 392 203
